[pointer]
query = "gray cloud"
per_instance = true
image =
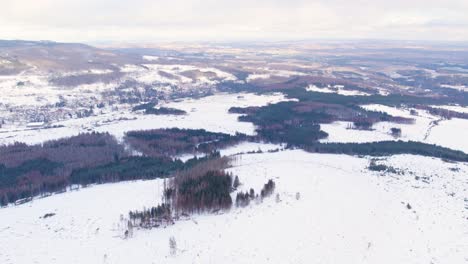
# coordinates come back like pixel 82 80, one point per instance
pixel 152 20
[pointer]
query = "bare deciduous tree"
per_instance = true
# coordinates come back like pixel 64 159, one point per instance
pixel 172 246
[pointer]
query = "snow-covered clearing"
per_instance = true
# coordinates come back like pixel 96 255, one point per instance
pixel 345 214
pixel 268 73
pixel 174 74
pixel 455 108
pixel 210 113
pixel 338 89
pixel 426 128
pixel 455 87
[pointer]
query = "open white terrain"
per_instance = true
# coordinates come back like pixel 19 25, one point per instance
pixel 210 113
pixel 427 128
pixel 345 214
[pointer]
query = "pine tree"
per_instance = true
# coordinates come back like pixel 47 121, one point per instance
pixel 236 182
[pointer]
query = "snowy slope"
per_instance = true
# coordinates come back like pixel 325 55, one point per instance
pixel 346 214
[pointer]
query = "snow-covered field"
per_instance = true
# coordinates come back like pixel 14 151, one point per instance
pixel 426 128
pixel 345 214
pixel 210 113
pixel 338 89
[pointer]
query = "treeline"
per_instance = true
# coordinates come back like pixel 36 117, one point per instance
pixel 31 170
pixel 445 113
pixel 126 169
pixel 385 148
pixel 164 111
pixel 27 171
pixel 174 141
pixel 391 100
pixel 298 123
pixel 148 218
pixel 150 109
pixel 204 187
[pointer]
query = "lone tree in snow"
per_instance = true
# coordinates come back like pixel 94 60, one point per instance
pixel 396 132
pixel 172 246
pixel 236 182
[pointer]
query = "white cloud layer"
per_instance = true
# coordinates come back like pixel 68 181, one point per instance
pixel 225 20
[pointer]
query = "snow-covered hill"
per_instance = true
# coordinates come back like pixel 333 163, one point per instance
pixel 345 214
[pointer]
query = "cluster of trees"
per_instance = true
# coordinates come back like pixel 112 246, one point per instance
pixel 395 131
pixel 164 111
pixel 362 124
pixel 373 166
pixel 207 192
pixel 152 217
pixel 173 141
pixel 144 106
pixel 283 123
pixel 27 171
pixel 31 170
pixel 204 187
pixel 298 122
pixel 150 109
pixel 126 169
pixel 268 189
pixel 243 198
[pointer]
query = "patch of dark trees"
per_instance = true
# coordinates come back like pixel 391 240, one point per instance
pixel 374 166
pixel 40 170
pixel 395 131
pixel 151 109
pixel 27 171
pixel 243 199
pixel 391 100
pixel 143 106
pixel 174 141
pixel 164 111
pixel 207 192
pixel 298 123
pixel 151 217
pixel 205 187
pixel 444 113
pixel 387 148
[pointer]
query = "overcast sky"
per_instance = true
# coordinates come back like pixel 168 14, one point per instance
pixel 232 20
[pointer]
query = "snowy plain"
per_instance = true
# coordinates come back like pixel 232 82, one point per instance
pixel 426 128
pixel 345 214
pixel 210 113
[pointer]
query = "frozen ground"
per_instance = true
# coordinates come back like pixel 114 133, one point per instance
pixel 118 122
pixel 456 108
pixel 345 214
pixel 426 128
pixel 338 89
